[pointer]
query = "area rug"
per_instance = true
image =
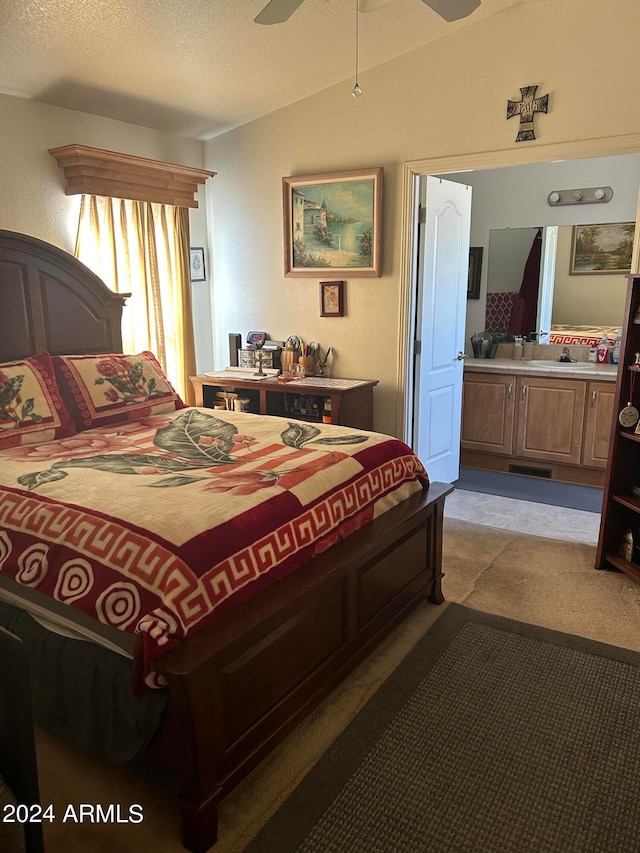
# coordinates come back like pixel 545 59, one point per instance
pixel 491 735
pixel 536 489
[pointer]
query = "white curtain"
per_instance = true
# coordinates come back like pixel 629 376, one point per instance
pixel 142 248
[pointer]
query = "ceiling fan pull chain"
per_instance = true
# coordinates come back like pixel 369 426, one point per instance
pixel 357 91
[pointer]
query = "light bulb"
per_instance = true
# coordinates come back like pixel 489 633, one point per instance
pixel 599 193
pixel 356 91
pixel 554 198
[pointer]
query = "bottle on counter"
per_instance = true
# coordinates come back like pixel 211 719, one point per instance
pixel 615 352
pixel 518 348
pixel 602 350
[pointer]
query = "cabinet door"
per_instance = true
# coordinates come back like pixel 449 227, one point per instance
pixel 487 412
pixel 549 419
pixel 597 424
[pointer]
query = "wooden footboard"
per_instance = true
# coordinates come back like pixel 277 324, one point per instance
pixel 240 686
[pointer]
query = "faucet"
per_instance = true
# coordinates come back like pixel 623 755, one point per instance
pixel 566 355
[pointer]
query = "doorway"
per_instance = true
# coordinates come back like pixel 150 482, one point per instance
pixel 455 166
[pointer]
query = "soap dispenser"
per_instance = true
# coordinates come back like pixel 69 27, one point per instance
pixel 602 350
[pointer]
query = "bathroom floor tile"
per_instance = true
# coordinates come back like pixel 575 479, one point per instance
pixel 530 517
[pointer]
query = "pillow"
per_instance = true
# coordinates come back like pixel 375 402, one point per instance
pixel 113 388
pixel 31 407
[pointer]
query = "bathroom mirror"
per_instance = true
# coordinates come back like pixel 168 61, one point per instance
pixel 582 305
pixel 513 201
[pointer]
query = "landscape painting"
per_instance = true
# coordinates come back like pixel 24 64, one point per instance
pixel 602 248
pixel 333 222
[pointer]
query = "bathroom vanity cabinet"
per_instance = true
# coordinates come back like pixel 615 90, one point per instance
pixel 550 426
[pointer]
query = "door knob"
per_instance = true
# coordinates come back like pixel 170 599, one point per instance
pixel 461 355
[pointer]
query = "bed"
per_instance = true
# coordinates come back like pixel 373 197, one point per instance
pixel 226 646
pixel 587 336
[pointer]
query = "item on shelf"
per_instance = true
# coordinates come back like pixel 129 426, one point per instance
pixel 256 339
pixel 307 359
pixel 302 406
pixel 322 362
pixel 629 416
pixel 290 354
pixel 307 364
pixel 326 411
pixel 626 545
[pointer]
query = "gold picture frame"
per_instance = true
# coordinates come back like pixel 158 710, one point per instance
pixel 333 224
pixel 602 249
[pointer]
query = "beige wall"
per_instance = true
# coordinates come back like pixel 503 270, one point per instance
pixel 32 198
pixel 445 99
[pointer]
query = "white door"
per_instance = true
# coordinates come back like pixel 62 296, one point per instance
pixel 443 271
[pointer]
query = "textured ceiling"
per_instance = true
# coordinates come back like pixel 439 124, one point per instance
pixel 199 67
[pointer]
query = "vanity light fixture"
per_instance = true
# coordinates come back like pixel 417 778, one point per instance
pixel 592 195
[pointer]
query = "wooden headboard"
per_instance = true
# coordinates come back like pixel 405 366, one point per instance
pixel 50 301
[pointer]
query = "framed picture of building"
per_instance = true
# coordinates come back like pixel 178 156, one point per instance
pixel 333 224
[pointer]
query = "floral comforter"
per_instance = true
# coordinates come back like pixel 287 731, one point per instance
pixel 158 525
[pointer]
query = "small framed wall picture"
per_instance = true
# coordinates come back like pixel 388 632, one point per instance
pixel 197 264
pixel 332 298
pixel 475 271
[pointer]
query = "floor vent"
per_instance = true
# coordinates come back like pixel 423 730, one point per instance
pixel 530 472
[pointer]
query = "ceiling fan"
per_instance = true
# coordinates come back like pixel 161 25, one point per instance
pixel 277 11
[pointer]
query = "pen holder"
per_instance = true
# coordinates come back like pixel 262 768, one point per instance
pixel 307 365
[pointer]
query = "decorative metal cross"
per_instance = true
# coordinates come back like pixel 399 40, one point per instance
pixel 527 108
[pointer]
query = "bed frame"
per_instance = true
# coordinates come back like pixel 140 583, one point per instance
pixel 239 686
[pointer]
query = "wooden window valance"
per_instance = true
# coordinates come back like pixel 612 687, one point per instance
pixel 108 173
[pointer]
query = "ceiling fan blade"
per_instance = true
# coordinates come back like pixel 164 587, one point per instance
pixel 277 11
pixel 453 10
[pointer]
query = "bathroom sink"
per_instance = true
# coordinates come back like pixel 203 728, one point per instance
pixel 565 365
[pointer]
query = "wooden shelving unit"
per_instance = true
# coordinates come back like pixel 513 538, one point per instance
pixel 351 404
pixel 621 508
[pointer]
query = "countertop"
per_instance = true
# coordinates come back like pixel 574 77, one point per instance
pixel 590 370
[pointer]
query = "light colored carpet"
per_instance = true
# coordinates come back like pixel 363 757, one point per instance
pixel 531 579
